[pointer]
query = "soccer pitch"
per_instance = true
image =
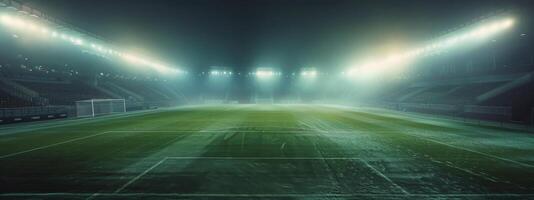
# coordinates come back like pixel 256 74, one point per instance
pixel 270 151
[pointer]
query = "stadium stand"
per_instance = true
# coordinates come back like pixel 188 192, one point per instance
pixel 64 93
pixel 445 83
pixel 9 101
pixel 494 82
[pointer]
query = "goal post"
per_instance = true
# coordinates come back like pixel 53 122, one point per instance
pixel 96 107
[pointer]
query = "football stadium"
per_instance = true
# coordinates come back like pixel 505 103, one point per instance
pixel 266 99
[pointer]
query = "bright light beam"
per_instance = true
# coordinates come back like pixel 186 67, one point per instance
pixel 309 73
pixel 25 25
pixel 265 73
pixel 369 69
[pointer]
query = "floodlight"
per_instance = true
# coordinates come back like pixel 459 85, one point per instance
pixel 32 26
pixel 451 41
pixel 78 41
pixel 44 30
pixel 507 23
pixel 308 73
pixel 351 72
pixel 128 58
pixel 12 21
pixel 265 73
pixel 6 19
pixel 160 67
pixel 480 32
pixel 19 23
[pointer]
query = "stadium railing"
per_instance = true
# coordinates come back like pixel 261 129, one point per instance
pixel 8 115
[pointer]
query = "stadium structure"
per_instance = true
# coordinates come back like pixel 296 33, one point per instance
pixel 449 117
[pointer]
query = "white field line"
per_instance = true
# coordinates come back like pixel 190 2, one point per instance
pixel 265 131
pixel 492 179
pixel 69 122
pixel 243 141
pixel 296 158
pixel 218 131
pixel 280 158
pixel 262 158
pixel 53 145
pixel 385 177
pixel 477 152
pixel 459 195
pixel 228 131
pixel 408 131
pixel 92 196
pixel 140 175
pixel 138 131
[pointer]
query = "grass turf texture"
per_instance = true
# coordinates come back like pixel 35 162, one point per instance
pixel 270 151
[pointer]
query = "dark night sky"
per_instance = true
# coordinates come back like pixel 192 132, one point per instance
pixel 252 33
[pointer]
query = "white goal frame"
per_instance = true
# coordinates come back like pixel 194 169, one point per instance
pixel 97 107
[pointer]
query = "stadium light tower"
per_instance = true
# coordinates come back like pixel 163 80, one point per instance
pixel 266 73
pixel 266 83
pixel 468 35
pixel 23 23
pixel 309 73
pixel 220 72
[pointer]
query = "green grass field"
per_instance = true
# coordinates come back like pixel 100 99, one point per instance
pixel 269 151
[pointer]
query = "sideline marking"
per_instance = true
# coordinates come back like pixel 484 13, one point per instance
pixel 231 131
pixel 53 145
pixel 492 179
pixel 406 131
pixel 385 177
pixel 31 126
pixel 340 134
pixel 224 158
pixel 140 175
pixel 267 195
pixel 474 151
pixel 262 158
pixel 92 196
pixel 162 131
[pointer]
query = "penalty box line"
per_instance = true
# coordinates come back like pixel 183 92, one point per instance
pixel 148 131
pixel 376 171
pixel 76 139
pixel 54 144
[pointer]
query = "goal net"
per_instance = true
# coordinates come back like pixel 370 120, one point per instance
pixel 96 107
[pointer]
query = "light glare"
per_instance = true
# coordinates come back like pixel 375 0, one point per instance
pixel 18 23
pixel 481 32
